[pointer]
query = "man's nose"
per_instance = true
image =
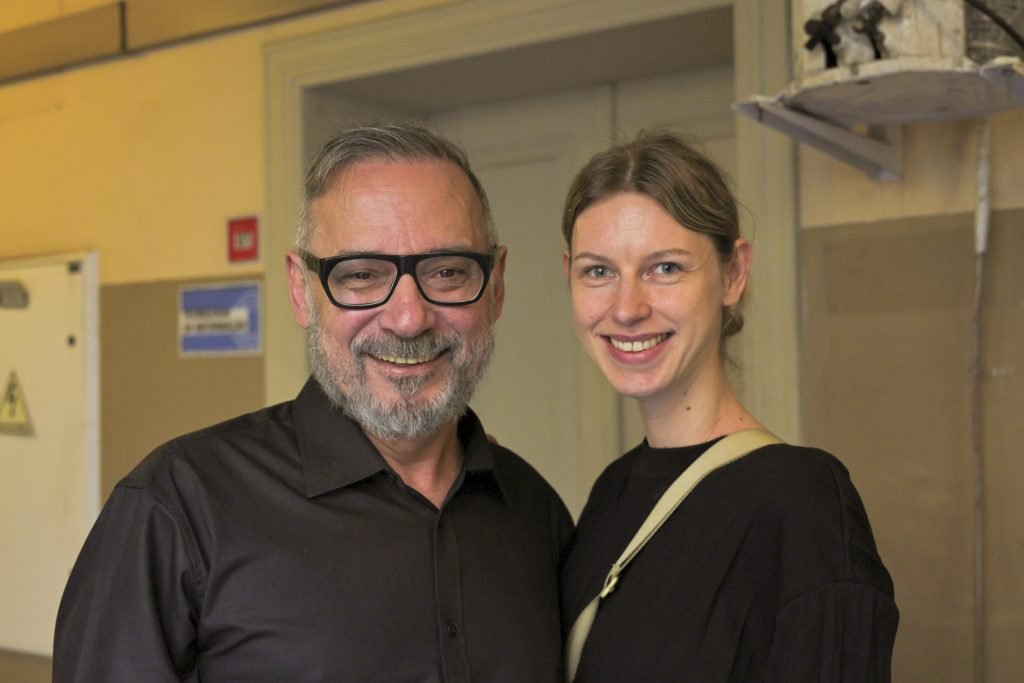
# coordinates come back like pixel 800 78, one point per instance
pixel 407 313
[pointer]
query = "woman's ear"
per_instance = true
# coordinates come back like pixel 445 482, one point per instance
pixel 736 271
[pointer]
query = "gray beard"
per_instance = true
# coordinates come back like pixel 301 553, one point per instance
pixel 406 417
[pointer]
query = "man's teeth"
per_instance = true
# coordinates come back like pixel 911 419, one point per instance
pixel 401 360
pixel 635 346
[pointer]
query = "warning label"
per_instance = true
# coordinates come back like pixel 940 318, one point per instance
pixel 14 417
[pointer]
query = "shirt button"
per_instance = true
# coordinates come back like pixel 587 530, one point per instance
pixel 453 630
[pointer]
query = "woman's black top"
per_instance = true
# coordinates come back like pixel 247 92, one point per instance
pixel 767 572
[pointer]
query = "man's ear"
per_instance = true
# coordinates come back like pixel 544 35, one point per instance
pixel 498 282
pixel 297 288
pixel 736 271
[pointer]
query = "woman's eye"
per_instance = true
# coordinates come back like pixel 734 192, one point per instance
pixel 595 272
pixel 667 270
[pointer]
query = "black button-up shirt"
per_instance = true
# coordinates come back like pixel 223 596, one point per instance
pixel 279 546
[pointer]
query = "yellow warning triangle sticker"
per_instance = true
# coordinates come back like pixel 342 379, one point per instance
pixel 14 417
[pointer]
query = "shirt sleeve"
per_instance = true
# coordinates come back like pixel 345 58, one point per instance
pixel 129 610
pixel 839 633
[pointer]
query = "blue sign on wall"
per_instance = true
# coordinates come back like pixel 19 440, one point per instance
pixel 219 319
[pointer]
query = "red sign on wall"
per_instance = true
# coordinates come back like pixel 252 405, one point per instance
pixel 243 239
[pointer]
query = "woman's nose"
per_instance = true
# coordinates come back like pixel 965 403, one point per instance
pixel 631 303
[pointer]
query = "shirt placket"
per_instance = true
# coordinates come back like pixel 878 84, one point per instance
pixel 448 587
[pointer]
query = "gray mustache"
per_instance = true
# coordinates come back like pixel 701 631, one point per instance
pixel 426 344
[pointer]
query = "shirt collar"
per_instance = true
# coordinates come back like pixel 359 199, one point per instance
pixel 335 452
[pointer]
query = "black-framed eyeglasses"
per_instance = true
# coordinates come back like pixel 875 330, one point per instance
pixel 445 278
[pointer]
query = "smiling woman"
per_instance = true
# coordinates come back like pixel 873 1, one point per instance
pixel 648 297
pixel 768 569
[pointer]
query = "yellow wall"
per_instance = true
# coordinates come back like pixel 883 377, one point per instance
pixel 144 158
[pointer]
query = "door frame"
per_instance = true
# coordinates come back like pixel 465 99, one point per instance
pixel 392 35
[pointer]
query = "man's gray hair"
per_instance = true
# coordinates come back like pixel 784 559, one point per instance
pixel 390 142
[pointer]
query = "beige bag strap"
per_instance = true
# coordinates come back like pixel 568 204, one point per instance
pixel 732 447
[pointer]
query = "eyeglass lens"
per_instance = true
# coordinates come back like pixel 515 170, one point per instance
pixel 443 278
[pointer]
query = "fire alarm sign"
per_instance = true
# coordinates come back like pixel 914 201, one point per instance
pixel 243 239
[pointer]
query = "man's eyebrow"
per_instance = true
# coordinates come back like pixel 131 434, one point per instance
pixel 371 254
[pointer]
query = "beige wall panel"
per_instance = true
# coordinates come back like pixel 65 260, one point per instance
pixel 22 668
pixel 1007 180
pixel 938 175
pixel 148 393
pixel 1003 438
pixel 886 388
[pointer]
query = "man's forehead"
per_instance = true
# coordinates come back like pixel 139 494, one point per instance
pixel 434 197
pixel 370 174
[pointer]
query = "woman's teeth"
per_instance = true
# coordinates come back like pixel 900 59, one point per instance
pixel 635 346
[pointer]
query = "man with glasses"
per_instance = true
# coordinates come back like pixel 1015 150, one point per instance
pixel 367 530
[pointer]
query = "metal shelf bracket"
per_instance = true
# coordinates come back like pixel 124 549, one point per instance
pixel 880 156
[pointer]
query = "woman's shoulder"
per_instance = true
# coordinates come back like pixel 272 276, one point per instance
pixel 800 484
pixel 796 469
pixel 808 496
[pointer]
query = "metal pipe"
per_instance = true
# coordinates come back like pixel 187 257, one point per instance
pixel 982 218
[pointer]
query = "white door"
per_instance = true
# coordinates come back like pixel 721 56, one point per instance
pixel 49 437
